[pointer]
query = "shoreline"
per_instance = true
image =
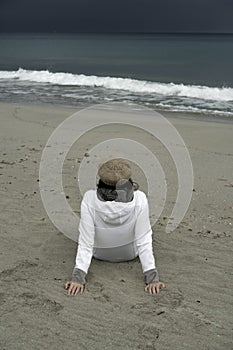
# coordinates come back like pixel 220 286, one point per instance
pixel 208 117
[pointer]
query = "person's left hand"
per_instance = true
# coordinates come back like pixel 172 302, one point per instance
pixel 154 287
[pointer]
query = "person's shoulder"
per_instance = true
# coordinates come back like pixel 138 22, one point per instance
pixel 140 197
pixel 89 196
pixel 140 194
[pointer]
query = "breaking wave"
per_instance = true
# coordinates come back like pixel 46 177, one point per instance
pixel 126 84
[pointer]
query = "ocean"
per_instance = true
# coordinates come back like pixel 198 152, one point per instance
pixel 186 73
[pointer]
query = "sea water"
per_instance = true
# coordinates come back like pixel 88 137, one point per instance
pixel 189 73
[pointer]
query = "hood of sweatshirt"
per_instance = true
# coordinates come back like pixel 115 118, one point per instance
pixel 111 212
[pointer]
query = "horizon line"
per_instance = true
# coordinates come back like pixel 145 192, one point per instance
pixel 123 32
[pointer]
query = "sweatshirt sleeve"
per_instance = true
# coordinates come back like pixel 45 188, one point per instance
pixel 79 276
pixel 143 236
pixel 86 237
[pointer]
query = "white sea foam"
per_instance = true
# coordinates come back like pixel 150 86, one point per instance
pixel 191 109
pixel 131 85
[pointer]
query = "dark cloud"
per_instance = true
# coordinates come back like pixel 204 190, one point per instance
pixel 116 16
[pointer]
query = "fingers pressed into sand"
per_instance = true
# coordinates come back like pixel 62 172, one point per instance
pixel 148 288
pixel 153 289
pixel 162 285
pixel 71 289
pixel 67 285
pixel 77 290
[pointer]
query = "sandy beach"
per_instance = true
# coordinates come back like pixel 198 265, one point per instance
pixel 195 261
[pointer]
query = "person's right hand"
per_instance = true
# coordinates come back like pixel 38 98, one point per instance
pixel 74 287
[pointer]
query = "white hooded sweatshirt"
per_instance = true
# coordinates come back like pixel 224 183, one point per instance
pixel 114 231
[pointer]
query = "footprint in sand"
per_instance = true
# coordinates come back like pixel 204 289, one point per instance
pixel 148 336
pixel 36 301
pixel 169 299
pixel 98 292
pixel 165 301
pixel 16 272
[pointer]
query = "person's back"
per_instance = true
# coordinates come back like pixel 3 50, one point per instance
pixel 114 226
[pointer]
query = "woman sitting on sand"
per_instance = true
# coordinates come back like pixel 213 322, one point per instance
pixel 114 226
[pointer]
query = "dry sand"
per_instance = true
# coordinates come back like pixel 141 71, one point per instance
pixel 195 261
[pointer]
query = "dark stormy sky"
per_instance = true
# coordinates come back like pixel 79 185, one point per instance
pixel 116 16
